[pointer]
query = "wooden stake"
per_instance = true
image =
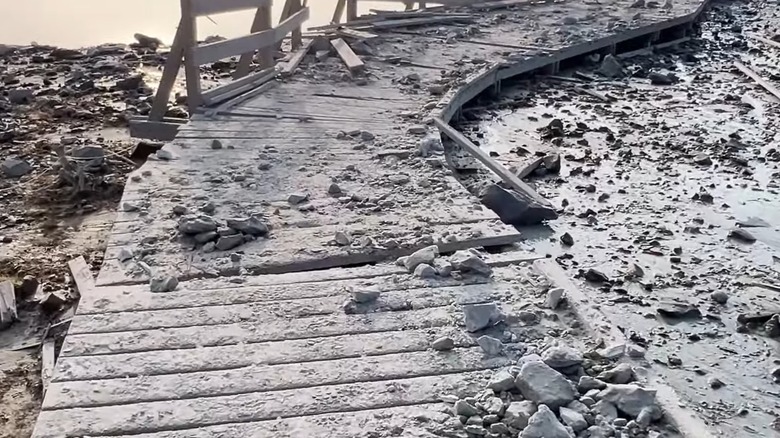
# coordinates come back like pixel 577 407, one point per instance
pixel 168 80
pixel 245 62
pixel 189 28
pixel 297 33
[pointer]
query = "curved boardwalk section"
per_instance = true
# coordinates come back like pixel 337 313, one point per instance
pixel 333 165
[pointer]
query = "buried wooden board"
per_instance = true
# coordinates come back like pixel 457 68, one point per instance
pixel 766 85
pixel 352 424
pixel 264 311
pixel 147 417
pixel 252 379
pixel 250 332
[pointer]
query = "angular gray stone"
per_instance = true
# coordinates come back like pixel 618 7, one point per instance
pixel 297 198
pixel 462 407
pixel 573 419
pixel 543 385
pixel 621 373
pixel 473 429
pixel 197 224
pixel 163 283
pixel 499 428
pixel 15 168
pixel 490 345
pixel 424 270
pixel 587 383
pixel 208 236
pixel 632 400
pixel 562 356
pixel 443 344
pixel 544 424
pixel 361 296
pixel 250 225
pixel 518 413
pixel 719 297
pixel 635 351
pixel 514 210
pixel 610 67
pixel 124 255
pixel 425 255
pixel 605 409
pixel 342 239
pixel 742 234
pixel 229 242
pixel 21 96
pixel 467 261
pixel 493 405
pixel 702 159
pixel 443 267
pixel 479 316
pixel 502 380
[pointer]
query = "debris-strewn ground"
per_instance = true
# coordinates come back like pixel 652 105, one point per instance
pixel 668 203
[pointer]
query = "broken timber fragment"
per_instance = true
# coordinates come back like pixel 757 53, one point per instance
pixel 513 209
pixel 523 190
pixel 289 67
pixel 7 304
pixel 759 80
pixel 352 61
pixel 47 363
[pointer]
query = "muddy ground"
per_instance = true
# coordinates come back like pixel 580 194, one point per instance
pixel 671 192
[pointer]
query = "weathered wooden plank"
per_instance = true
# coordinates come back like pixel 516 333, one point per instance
pixel 208 53
pixel 178 414
pixel 296 308
pixel 351 60
pixel 229 334
pixel 210 7
pixel 159 362
pixel 355 34
pixel 238 86
pixel 766 41
pixel 47 363
pixel 267 378
pixel 82 275
pixel 189 25
pixel 508 177
pixel 422 21
pixel 288 68
pixel 766 85
pixel 358 424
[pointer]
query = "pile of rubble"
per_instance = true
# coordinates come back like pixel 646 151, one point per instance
pixel 213 236
pixel 426 263
pixel 552 394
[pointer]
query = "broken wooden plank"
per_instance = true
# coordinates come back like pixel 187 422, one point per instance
pixel 759 80
pixel 596 94
pixel 7 304
pixel 352 61
pixel 389 24
pixel 288 68
pixel 766 41
pixel 47 363
pixel 243 85
pixel 354 33
pixel 82 275
pixel 511 179
pixel 563 79
pixel 584 76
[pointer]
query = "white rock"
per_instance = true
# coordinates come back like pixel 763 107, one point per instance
pixel 124 255
pixel 163 283
pixel 462 407
pixel 562 356
pixel 573 419
pixel 444 343
pixel 621 373
pixel 424 270
pixel 518 413
pixel 542 384
pixel 544 424
pixel 554 297
pixel 632 400
pixel 425 255
pixel 502 380
pixel 360 296
pixel 467 261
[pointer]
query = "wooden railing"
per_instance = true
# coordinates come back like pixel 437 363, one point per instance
pixel 351 6
pixel 263 38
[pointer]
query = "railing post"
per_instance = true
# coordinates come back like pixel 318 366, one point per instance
pixel 259 23
pixel 297 33
pixel 189 29
pixel 338 12
pixel 168 80
pixel 352 10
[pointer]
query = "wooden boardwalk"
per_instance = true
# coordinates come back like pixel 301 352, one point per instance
pixel 265 349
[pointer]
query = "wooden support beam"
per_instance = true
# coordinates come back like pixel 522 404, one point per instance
pixel 190 42
pixel 508 177
pixel 256 80
pixel 249 43
pixel 759 80
pixel 288 68
pixel 352 10
pixel 338 12
pixel 259 23
pixel 211 96
pixel 170 72
pixel 352 61
pixel 297 33
pixel 201 8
